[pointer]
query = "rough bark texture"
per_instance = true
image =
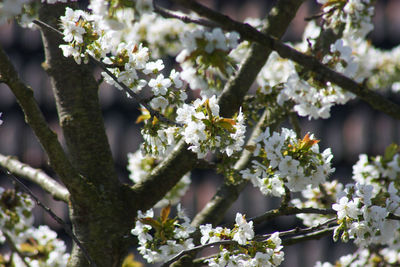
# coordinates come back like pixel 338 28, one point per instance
pixel 101 217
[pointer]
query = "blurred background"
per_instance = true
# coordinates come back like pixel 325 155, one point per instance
pixel 352 129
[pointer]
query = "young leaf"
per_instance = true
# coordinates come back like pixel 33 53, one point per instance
pixel 165 213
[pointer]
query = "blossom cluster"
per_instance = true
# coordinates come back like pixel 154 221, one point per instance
pixel 160 35
pixel 76 28
pixel 171 236
pixel 356 15
pixel 311 98
pixel 129 61
pixel 246 252
pixel 205 130
pixel 282 161
pixel 40 245
pixel 205 58
pixel 139 24
pixel 133 59
pixel 381 67
pixel 159 140
pixel 201 127
pixel 377 68
pixel 310 95
pixel 363 208
pixel 16 215
pixel 140 166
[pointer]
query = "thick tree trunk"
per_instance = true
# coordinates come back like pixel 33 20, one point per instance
pixel 101 216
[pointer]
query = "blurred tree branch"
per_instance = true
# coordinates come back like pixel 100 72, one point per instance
pixel 37 176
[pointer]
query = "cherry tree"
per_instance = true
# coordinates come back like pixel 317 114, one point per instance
pixel 227 128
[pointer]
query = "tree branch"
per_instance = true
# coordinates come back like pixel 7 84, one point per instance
pixel 76 95
pixel 37 176
pixel 34 117
pixel 181 161
pixel 310 63
pixel 168 14
pixel 289 211
pixel 197 248
pixel 297 231
pixel 308 236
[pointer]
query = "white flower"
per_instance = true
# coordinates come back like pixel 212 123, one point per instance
pixel 345 51
pixel 71 51
pixel 297 181
pixel 288 166
pixel 175 78
pixel 364 191
pixel 140 58
pixel 375 215
pixel 159 103
pixel 73 33
pixel 216 40
pixel 260 259
pixel 232 39
pixel 154 67
pixel 72 30
pixel 160 85
pixel 346 208
pixel 207 234
pixel 245 230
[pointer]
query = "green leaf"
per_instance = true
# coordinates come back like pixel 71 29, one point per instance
pixel 390 151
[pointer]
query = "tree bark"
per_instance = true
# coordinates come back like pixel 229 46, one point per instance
pixel 101 217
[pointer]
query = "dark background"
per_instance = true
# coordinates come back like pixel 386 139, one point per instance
pixel 352 129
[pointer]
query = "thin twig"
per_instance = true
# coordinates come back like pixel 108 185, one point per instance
pixel 290 211
pixel 64 225
pixel 392 216
pixel 184 252
pixel 321 14
pixel 152 112
pixel 308 236
pixel 173 15
pixel 125 88
pixel 298 231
